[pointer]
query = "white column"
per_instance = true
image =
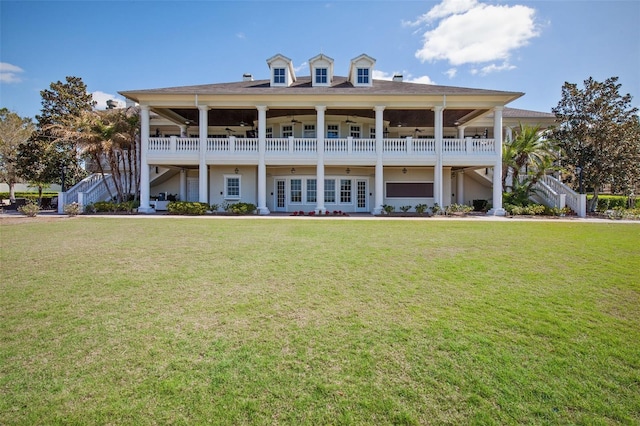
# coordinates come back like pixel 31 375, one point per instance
pixel 460 187
pixel 379 174
pixel 144 166
pixel 183 131
pixel 497 209
pixel 461 132
pixel 262 167
pixel 509 134
pixel 437 171
pixel 203 172
pixel 183 184
pixel 320 208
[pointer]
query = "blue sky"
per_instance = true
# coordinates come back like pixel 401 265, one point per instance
pixel 525 46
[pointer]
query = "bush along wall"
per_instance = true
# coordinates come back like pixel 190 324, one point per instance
pixel 187 208
pixel 611 202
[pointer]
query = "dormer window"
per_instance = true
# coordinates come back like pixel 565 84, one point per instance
pixel 321 76
pixel 282 73
pixel 363 76
pixel 278 76
pixel 321 68
pixel 361 70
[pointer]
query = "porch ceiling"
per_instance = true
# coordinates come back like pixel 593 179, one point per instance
pixel 395 117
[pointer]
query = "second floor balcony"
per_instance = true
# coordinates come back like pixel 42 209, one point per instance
pixel 177 150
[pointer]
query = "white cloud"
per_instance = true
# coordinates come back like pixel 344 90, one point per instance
pixel 505 66
pixel 382 75
pixel 442 10
pixel 300 67
pixel 469 32
pixel 451 72
pixel 9 73
pixel 101 99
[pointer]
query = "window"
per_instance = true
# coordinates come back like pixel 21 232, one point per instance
pixel 354 131
pixel 363 75
pixel 309 131
pixel 312 191
pixel 321 76
pixel 232 187
pixel 269 133
pixel 296 190
pixel 345 190
pixel 329 191
pixel 278 76
pixel 333 131
pixel 287 131
pixel 372 132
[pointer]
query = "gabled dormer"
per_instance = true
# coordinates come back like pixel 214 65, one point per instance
pixel 321 67
pixel 282 73
pixel 361 71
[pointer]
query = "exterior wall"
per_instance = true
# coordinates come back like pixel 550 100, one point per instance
pixel 248 184
pixel 474 190
pixel 172 186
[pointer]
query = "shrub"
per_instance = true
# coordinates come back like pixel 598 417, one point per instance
pixel 610 202
pixel 104 206
pixel 421 208
pixel 187 208
pixel 30 209
pixel 405 209
pixel 458 208
pixel 72 209
pixel 436 209
pixel 242 208
pixel 388 209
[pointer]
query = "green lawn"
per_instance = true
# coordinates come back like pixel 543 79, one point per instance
pixel 285 321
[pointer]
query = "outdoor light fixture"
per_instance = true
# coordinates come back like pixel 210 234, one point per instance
pixel 293 170
pixel 404 171
pixel 236 170
pixel 348 170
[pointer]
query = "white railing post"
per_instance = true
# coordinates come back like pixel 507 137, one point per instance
pixel 62 199
pixel 582 205
pixel 350 144
pixel 290 143
pixel 81 200
pixel 562 201
pixel 232 143
pixel 469 145
pixel 409 144
pixel 172 143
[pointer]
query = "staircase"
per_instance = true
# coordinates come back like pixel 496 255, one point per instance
pixel 95 187
pixel 553 193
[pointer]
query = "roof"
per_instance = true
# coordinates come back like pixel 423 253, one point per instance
pixel 339 86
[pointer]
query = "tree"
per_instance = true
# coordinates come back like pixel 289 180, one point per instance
pixel 14 131
pixel 599 136
pixel 45 158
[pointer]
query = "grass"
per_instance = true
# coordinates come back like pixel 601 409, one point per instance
pixel 268 321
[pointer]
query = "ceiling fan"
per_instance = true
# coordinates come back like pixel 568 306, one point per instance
pixel 294 121
pixel 230 130
pixel 349 121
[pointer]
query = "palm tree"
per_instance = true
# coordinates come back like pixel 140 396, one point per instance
pixel 529 153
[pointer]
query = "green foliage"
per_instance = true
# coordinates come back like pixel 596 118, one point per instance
pixel 113 207
pixel 458 208
pixel 30 209
pixel 436 209
pixel 388 209
pixel 421 208
pixel 187 208
pixel 215 207
pixel 528 210
pixel 241 208
pixel 72 209
pixel 405 209
pixel 14 131
pixel 607 202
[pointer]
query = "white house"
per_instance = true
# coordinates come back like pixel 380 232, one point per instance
pixel 325 142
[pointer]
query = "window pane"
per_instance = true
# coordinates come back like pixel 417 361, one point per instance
pixel 329 191
pixel 311 191
pixel 345 190
pixel 296 190
pixel 321 75
pixel 363 75
pixel 278 75
pixel 233 187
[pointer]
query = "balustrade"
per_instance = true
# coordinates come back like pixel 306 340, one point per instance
pixel 346 146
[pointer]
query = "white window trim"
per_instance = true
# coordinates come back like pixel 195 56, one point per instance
pixel 273 76
pixel 226 187
pixel 326 131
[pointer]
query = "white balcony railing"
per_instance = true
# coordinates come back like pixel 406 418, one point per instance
pixel 300 146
